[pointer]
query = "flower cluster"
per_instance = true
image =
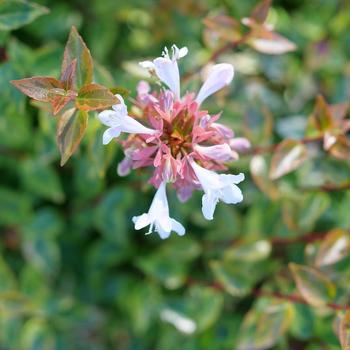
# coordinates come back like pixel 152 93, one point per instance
pixel 182 142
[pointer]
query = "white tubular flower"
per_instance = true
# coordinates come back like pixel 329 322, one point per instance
pixel 217 187
pixel 118 121
pixel 219 76
pixel 221 153
pixel 158 216
pixel 167 69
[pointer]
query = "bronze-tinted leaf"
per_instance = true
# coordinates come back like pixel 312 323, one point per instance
pixel 59 98
pixel 68 75
pixel 289 155
pixel 268 42
pixel 124 92
pixel 95 96
pixel 334 247
pixel 260 11
pixel 341 148
pixel 70 130
pixel 344 331
pixel 321 115
pixel 224 27
pixel 37 87
pixel 76 49
pixel 315 287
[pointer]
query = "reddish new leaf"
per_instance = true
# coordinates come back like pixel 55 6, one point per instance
pixel 289 155
pixel 68 76
pixel 260 11
pixel 76 49
pixel 70 131
pixel 59 98
pixel 224 27
pixel 37 87
pixel 94 96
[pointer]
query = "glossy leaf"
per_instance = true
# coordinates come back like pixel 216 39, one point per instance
pixel 270 43
pixel 70 131
pixel 289 155
pixel 315 287
pixel 94 96
pixel 37 88
pixel 232 277
pixel 17 13
pixel 76 49
pixel 263 326
pixel 334 247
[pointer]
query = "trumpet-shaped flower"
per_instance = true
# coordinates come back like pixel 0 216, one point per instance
pixel 217 187
pixel 173 135
pixel 158 218
pixel 118 121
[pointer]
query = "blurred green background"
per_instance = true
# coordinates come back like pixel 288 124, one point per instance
pixel 73 272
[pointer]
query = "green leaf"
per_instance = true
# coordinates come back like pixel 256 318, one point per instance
pixel 334 247
pixel 94 96
pixel 76 49
pixel 344 331
pixel 264 325
pixel 16 13
pixel 36 334
pixel 169 264
pixel 70 131
pixel 35 173
pixel 7 280
pixel 289 155
pixel 38 87
pixel 249 251
pixel 198 310
pixel 15 207
pixel 315 287
pixel 232 277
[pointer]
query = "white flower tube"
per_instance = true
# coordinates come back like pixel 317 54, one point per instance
pixel 217 187
pixel 158 216
pixel 167 69
pixel 118 121
pixel 219 76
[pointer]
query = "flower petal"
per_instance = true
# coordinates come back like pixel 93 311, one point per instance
pixel 231 195
pixel 222 153
pixel 168 72
pixel 219 76
pixel 177 227
pixel 209 202
pixel 141 221
pixel 121 109
pixel 109 118
pixel 132 126
pixel 110 134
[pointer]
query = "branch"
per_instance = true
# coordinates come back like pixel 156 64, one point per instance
pixel 294 298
